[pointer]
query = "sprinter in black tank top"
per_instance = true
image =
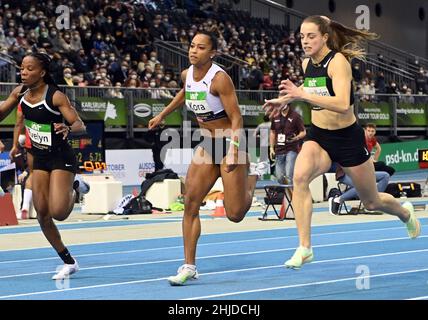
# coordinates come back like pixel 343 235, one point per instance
pixel 334 135
pixel 45 110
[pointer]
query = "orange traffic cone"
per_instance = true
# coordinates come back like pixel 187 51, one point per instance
pixel 219 208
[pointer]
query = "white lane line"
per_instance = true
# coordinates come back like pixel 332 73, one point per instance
pixel 203 244
pixel 233 271
pixel 217 233
pixel 305 284
pixel 211 257
pixel 419 298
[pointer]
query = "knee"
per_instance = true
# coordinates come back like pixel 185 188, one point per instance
pixel 235 217
pixel 300 179
pixel 236 214
pixel 58 214
pixel 191 205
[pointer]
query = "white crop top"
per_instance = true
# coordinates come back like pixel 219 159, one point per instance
pixel 205 105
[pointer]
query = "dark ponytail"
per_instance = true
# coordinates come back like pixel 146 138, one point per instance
pixel 45 61
pixel 213 35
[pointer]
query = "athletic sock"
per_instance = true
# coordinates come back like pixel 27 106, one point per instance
pixel 28 196
pixel 66 257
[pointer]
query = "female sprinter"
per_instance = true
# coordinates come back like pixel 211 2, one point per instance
pixel 209 92
pixel 334 134
pixel 44 108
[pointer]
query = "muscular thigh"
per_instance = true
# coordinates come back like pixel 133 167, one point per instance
pixel 311 162
pixel 364 180
pixel 40 183
pixel 201 176
pixel 61 189
pixel 235 183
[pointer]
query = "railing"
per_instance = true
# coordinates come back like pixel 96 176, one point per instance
pixel 8 68
pixel 129 109
pixel 405 72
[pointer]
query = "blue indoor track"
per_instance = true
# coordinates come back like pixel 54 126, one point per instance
pixel 370 260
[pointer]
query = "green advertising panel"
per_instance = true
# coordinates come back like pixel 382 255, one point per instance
pixel 304 109
pixel 144 110
pixel 11 118
pixel 377 113
pixel 402 156
pixel 253 113
pixel 409 115
pixel 112 111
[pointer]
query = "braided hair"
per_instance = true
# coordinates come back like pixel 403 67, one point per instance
pixel 45 62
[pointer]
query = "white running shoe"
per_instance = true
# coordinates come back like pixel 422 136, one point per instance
pixel 256 170
pixel 184 273
pixel 66 271
pixel 79 185
pixel 1 192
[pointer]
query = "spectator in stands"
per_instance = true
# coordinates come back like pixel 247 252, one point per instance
pixel 255 78
pixel 67 77
pixel 153 60
pixel 421 81
pixel 380 83
pixel 392 88
pixel 268 81
pixel 366 91
pixel 133 83
pixel 408 97
pixel 75 43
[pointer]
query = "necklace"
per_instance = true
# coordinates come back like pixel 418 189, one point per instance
pixel 319 64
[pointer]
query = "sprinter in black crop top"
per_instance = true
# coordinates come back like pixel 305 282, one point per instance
pixel 334 135
pixel 45 110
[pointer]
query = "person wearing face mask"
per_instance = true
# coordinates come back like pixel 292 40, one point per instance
pixel 154 93
pixel 153 60
pixel 174 35
pixel 365 91
pixel 335 135
pixel 76 43
pixel 392 88
pixel 268 81
pixel 255 79
pixel 68 77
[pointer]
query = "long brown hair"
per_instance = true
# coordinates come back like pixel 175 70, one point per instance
pixel 347 41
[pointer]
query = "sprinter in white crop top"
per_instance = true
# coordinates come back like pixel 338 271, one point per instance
pixel 209 92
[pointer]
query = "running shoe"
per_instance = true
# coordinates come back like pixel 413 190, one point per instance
pixel 301 256
pixel 184 273
pixel 256 170
pixel 79 185
pixel 333 206
pixel 1 192
pixel 66 271
pixel 413 225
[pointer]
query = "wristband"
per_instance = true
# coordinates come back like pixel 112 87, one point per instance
pixel 235 143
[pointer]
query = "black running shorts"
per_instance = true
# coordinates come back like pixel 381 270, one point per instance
pixel 345 146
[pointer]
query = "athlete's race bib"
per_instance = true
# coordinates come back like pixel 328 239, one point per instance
pixel 316 86
pixel 40 134
pixel 197 102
